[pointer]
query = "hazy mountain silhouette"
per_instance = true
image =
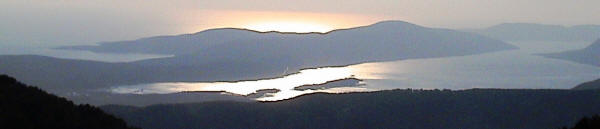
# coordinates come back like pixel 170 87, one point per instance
pixel 27 107
pixel 588 85
pixel 54 74
pixel 589 55
pixel 234 54
pixel 540 32
pixel 384 41
pixel 383 36
pixel 410 109
pixel 174 45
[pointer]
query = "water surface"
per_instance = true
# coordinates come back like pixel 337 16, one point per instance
pixel 514 69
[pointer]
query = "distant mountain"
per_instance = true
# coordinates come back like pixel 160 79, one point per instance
pixel 68 75
pixel 235 54
pixel 26 107
pixel 588 85
pixel 386 37
pixel 589 55
pixel 404 109
pixel 54 74
pixel 276 52
pixel 540 32
pixel 177 44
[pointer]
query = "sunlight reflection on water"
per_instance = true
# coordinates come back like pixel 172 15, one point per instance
pixel 285 84
pixel 506 69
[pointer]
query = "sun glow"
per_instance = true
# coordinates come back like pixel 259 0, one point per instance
pixel 282 21
pixel 297 27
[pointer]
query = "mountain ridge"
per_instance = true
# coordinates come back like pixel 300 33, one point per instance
pixel 589 55
pixel 26 107
pixel 244 55
pixel 415 109
pixel 189 43
pixel 540 32
pixel 591 85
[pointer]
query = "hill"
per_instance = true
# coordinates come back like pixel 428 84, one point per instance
pixel 236 54
pixel 588 85
pixel 587 123
pixel 245 51
pixel 589 55
pixel 386 36
pixel 26 107
pixel 384 41
pixel 409 109
pixel 540 32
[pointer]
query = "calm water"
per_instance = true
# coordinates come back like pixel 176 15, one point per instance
pixel 506 69
pixel 285 85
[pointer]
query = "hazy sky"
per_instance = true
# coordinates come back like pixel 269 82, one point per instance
pixel 43 22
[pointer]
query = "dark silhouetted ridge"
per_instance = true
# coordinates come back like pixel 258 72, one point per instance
pixel 587 123
pixel 395 109
pixel 26 107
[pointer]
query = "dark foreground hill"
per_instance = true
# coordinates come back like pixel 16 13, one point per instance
pixel 587 123
pixel 26 107
pixel 403 109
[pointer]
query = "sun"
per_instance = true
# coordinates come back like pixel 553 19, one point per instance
pixel 284 26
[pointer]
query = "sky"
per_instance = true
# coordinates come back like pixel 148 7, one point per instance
pixel 73 22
